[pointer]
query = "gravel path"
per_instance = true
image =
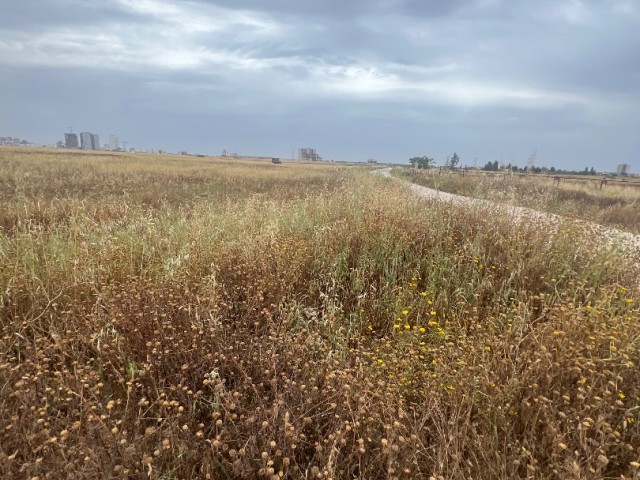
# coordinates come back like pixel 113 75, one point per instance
pixel 607 236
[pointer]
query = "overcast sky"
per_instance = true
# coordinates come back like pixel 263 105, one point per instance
pixel 388 79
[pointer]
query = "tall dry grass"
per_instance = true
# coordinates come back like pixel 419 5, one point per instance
pixel 311 324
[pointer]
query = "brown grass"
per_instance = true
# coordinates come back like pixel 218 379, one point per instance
pixel 315 323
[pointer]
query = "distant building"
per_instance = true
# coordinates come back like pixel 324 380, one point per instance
pixel 13 141
pixel 114 142
pixel 624 169
pixel 71 140
pixel 89 141
pixel 227 153
pixel 308 154
pixel 85 141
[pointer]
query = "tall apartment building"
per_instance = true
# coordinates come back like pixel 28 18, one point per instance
pixel 89 141
pixel 71 140
pixel 114 142
pixel 85 141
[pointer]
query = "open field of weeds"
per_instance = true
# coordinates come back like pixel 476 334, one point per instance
pixel 614 205
pixel 178 318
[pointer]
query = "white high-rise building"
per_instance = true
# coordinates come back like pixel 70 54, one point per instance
pixel 89 141
pixel 85 141
pixel 114 142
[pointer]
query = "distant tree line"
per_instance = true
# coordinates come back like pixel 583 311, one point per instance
pixel 453 161
pixel 427 162
pixel 495 167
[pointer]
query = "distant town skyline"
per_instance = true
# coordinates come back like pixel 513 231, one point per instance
pixel 72 141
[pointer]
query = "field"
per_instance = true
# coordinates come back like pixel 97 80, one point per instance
pixel 615 204
pixel 176 317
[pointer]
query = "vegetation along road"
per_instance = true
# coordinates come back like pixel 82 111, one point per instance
pixel 628 242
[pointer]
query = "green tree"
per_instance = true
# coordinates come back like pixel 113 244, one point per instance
pixel 453 161
pixel 492 166
pixel 421 162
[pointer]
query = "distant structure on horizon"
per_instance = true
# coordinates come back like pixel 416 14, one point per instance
pixel 89 141
pixel 114 143
pixel 308 154
pixel 226 153
pixel 71 140
pixel 14 142
pixel 624 169
pixel 85 141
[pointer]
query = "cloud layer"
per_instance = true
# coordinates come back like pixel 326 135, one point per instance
pixel 490 79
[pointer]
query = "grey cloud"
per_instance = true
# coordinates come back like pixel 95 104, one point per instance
pixel 389 78
pixel 34 15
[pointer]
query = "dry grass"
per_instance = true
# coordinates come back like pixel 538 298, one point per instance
pixel 309 324
pixel 615 205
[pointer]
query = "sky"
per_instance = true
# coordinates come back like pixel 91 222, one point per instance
pixel 385 79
